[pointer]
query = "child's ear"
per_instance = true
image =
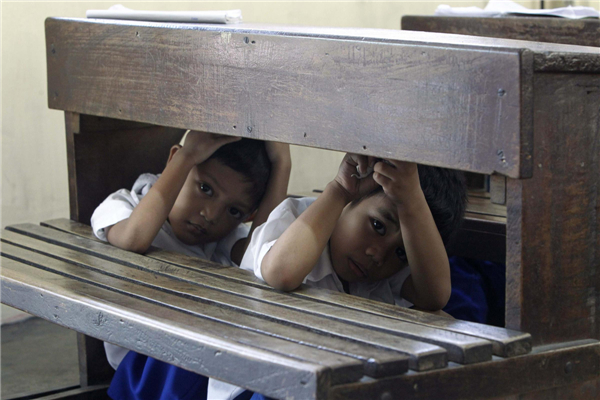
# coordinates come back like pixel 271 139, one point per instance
pixel 172 152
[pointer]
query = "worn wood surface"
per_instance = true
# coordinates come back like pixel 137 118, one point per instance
pixel 437 103
pixel 227 307
pixel 236 311
pixel 567 365
pixel 498 189
pixel 553 226
pixel 582 32
pixel 202 346
pixel 335 305
pixel 107 155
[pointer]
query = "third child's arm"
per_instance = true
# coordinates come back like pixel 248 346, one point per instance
pixel 428 287
pixel 137 232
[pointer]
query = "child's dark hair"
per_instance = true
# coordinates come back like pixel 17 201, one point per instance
pixel 445 191
pixel 249 158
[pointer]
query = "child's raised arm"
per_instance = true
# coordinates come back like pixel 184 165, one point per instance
pixel 296 252
pixel 137 232
pixel 275 192
pixel 428 287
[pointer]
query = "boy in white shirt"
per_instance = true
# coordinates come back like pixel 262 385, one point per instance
pixel 208 188
pixel 380 236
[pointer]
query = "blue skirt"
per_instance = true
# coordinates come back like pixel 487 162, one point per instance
pixel 141 377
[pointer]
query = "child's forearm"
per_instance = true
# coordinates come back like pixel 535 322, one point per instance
pixel 137 232
pixel 275 193
pixel 298 249
pixel 429 285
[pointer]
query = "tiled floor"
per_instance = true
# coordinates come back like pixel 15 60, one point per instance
pixel 37 356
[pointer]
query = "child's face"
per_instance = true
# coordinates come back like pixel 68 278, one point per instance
pixel 212 202
pixel 366 244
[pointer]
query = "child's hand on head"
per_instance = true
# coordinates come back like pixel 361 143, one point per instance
pixel 399 179
pixel 348 179
pixel 199 146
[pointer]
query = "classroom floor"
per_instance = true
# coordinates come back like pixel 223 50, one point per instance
pixel 37 356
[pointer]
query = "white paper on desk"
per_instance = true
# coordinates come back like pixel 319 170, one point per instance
pixel 501 8
pixel 213 17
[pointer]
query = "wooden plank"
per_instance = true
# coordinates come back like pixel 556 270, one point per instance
pixel 483 206
pixel 71 127
pixel 569 364
pixel 422 356
pixel 582 32
pixel 344 369
pixel 553 224
pixel 198 345
pixel 440 103
pixel 505 343
pixel 109 155
pixel 377 362
pixel 321 317
pixel 498 189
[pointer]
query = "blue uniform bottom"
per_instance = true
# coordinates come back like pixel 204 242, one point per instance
pixel 141 377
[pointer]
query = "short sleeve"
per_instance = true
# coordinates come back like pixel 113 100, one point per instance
pixel 117 207
pixel 265 236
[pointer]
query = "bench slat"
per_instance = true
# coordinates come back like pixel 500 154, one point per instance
pixel 166 334
pixel 344 369
pixel 377 362
pixel 423 355
pixel 461 348
pixel 506 342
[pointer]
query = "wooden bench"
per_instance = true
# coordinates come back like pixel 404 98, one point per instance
pixel 483 235
pixel 129 89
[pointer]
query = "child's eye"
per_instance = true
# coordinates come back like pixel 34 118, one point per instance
pixel 401 253
pixel 378 226
pixel 206 189
pixel 235 213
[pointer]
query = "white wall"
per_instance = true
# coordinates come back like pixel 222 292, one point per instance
pixel 34 170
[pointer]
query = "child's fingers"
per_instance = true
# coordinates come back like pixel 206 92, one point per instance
pixel 361 162
pixel 387 170
pixel 382 180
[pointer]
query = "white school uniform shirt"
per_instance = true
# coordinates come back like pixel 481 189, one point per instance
pixel 322 275
pixel 119 206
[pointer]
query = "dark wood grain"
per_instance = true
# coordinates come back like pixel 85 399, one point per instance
pixel 553 225
pixel 335 305
pixel 423 356
pixel 437 103
pixel 108 155
pixel 582 32
pixel 377 362
pixel 570 364
pixel 173 295
pixel 200 346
